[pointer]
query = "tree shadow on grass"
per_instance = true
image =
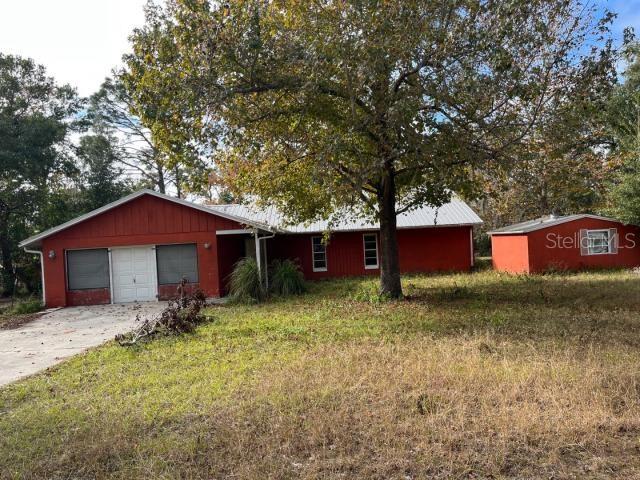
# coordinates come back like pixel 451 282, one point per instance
pixel 598 309
pixel 597 291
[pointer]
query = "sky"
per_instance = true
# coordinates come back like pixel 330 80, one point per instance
pixel 81 41
pixel 78 41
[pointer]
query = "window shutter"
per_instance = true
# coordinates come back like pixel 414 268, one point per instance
pixel 613 239
pixel 584 242
pixel 88 269
pixel 176 262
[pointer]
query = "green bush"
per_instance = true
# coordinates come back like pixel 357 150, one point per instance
pixel 286 278
pixel 482 244
pixel 370 293
pixel 23 307
pixel 244 281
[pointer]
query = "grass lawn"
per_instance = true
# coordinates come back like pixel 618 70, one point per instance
pixel 474 376
pixel 16 314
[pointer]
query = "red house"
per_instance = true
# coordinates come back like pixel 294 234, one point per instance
pixel 141 246
pixel 573 242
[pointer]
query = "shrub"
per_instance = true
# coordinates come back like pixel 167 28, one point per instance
pixel 286 278
pixel 370 293
pixel 23 307
pixel 244 281
pixel 482 244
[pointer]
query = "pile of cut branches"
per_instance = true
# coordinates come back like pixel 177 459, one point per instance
pixel 180 316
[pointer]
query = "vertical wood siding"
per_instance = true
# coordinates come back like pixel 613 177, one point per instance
pixel 421 250
pixel 147 220
pixel 150 220
pixel 510 253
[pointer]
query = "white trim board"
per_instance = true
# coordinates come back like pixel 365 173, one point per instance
pixel 234 232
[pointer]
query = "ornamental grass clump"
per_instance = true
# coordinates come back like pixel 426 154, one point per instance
pixel 286 278
pixel 245 285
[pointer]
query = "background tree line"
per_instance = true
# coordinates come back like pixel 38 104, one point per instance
pixel 62 156
pixel 510 112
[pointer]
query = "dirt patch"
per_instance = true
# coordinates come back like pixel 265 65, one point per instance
pixel 14 321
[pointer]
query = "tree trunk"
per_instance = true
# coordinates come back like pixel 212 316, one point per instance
pixel 7 278
pixel 178 182
pixel 161 182
pixel 389 258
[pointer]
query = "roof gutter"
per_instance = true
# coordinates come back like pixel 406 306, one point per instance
pixel 39 252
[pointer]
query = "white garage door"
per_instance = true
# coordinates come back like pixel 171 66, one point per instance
pixel 134 274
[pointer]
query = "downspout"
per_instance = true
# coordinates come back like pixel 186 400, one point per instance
pixel 266 262
pixel 258 259
pixel 257 240
pixel 38 252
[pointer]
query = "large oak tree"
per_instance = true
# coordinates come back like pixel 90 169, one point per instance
pixel 362 107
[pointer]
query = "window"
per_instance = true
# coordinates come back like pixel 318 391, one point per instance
pixel 88 269
pixel 319 250
pixel 599 242
pixel 176 262
pixel 370 241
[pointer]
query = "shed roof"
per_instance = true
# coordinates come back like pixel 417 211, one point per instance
pixel 545 222
pixel 270 219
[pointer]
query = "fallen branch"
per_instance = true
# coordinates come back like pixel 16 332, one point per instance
pixel 180 316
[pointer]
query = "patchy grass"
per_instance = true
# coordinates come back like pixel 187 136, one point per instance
pixel 474 376
pixel 13 315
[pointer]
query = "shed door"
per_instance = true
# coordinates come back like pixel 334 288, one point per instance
pixel 133 274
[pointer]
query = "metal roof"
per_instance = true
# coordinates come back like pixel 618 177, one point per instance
pixel 454 213
pixel 545 222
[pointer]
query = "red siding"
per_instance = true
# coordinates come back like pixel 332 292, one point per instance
pixel 421 250
pixel 95 296
pixel 230 250
pixel 510 253
pixel 558 247
pixel 147 220
pixel 170 292
pixel 226 224
pixel 435 249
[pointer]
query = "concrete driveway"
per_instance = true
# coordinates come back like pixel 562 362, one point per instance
pixel 65 332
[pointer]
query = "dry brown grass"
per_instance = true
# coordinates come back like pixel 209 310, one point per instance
pixel 476 377
pixel 470 407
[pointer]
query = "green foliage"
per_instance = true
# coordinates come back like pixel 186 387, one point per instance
pixel 31 305
pixel 624 123
pixel 482 243
pixel 111 112
pixel 102 174
pixel 245 285
pixel 369 293
pixel 375 380
pixel 35 119
pixel 286 278
pixel 482 263
pixel 364 108
pixel 624 196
